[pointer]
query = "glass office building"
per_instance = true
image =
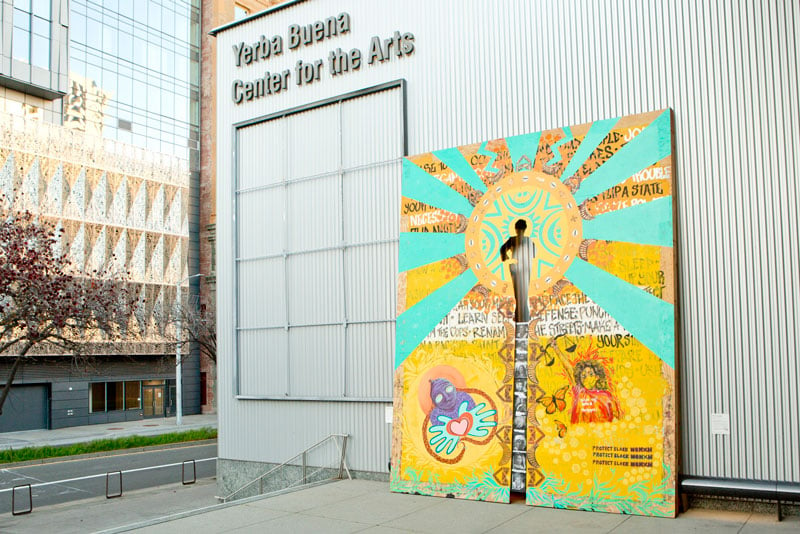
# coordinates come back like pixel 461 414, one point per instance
pixel 134 67
pixel 99 127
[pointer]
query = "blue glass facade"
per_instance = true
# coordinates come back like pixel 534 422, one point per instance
pixel 136 65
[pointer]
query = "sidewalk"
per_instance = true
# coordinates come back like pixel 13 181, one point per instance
pixel 369 507
pixel 82 434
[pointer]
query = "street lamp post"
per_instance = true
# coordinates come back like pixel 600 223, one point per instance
pixel 178 369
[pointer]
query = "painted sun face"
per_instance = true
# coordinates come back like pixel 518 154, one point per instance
pixel 553 224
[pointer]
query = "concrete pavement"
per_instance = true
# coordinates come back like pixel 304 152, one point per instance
pixel 82 434
pixel 369 507
pixel 344 506
pixel 98 513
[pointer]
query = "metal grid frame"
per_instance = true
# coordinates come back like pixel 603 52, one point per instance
pixel 339 174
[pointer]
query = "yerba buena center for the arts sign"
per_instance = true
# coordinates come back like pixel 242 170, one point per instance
pixel 308 71
pixel 536 319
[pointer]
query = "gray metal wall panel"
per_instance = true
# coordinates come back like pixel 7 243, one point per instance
pixel 302 424
pixel 370 363
pixel 383 139
pixel 729 70
pixel 371 196
pixel 263 304
pixel 370 270
pixel 316 367
pixel 259 167
pixel 261 218
pixel 313 141
pixel 263 366
pixel 314 284
pixel 314 214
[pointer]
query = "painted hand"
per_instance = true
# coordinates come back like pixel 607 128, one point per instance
pixel 481 420
pixel 441 439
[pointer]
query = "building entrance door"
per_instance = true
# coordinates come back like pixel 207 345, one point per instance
pixel 153 401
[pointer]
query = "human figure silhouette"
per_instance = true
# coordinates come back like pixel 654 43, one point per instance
pixel 519 251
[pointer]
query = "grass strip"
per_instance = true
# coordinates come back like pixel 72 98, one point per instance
pixel 102 445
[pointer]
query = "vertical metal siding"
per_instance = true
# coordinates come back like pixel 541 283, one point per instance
pixel 259 167
pixel 314 288
pixel 263 349
pixel 482 70
pixel 371 364
pixel 274 431
pixel 371 197
pixel 317 361
pixel 261 218
pixel 370 270
pixel 313 142
pixel 372 129
pixel 314 214
pixel 262 305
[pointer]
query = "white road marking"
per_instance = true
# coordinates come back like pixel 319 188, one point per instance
pixel 41 484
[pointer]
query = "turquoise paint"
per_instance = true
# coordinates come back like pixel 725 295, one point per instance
pixel 492 157
pixel 597 132
pixel 644 224
pixel 420 185
pixel 564 140
pixel 523 145
pixel 651 145
pixel 414 324
pixel 422 248
pixel 453 158
pixel 648 318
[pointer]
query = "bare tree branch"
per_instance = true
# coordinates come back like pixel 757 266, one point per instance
pixel 198 327
pixel 44 300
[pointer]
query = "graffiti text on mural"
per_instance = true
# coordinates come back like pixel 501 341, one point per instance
pixel 465 323
pixel 577 319
pixel 623 456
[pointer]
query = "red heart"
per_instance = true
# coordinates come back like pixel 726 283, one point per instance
pixel 460 426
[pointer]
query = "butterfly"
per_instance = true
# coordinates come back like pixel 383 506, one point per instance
pixel 555 402
pixel 561 428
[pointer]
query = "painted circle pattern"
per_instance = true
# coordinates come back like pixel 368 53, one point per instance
pixel 553 224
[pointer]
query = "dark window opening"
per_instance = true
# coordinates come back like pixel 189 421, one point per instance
pixel 97 397
pixel 133 396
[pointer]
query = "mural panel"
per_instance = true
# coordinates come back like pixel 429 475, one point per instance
pixel 536 319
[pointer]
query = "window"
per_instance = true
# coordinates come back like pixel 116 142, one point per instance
pixel 133 396
pixel 115 396
pixel 111 396
pixel 239 12
pixel 31 36
pixel 97 397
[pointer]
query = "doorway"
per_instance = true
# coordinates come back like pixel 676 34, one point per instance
pixel 153 399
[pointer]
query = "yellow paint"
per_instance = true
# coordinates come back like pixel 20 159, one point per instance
pixel 485 374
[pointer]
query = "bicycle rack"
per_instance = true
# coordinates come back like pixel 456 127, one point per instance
pixel 108 475
pixel 14 500
pixel 183 472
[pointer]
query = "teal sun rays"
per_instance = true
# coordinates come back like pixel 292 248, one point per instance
pixel 414 324
pixel 648 318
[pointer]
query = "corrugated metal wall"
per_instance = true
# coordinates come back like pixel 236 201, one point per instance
pixel 482 70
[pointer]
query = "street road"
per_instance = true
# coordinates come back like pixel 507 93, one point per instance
pixel 70 480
